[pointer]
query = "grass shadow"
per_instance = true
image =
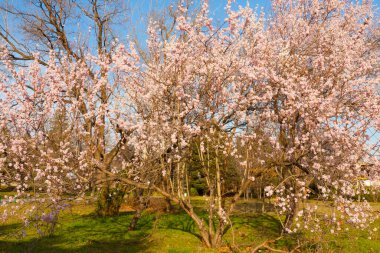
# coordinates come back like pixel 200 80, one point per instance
pixel 267 225
pixel 181 222
pixel 58 244
pixel 86 233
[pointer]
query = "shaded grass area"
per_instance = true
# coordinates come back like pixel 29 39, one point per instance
pixel 81 231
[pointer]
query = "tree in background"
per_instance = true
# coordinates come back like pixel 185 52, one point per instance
pixel 321 95
pixel 47 26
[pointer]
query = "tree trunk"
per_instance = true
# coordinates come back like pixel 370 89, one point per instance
pixel 289 219
pixel 210 237
pixel 291 213
pixel 109 201
pixel 141 204
pixel 168 205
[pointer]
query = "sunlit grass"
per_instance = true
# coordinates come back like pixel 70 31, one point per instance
pixel 79 230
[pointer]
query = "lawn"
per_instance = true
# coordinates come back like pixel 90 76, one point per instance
pixel 81 231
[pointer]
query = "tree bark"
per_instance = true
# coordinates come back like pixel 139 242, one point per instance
pixel 109 201
pixel 142 204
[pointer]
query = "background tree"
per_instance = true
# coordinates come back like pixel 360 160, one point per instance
pixel 52 25
pixel 321 98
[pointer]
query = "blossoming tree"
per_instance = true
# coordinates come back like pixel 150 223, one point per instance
pixel 294 92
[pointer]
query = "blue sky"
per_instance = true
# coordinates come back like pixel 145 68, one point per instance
pixel 138 11
pixel 139 8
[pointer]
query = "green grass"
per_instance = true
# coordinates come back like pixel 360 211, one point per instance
pixel 80 231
